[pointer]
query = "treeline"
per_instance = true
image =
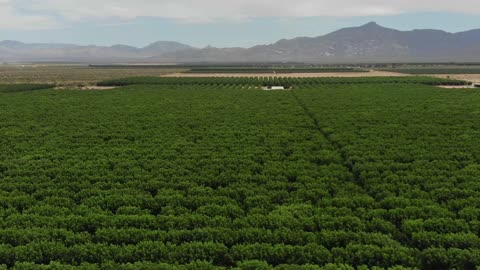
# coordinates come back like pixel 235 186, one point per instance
pixel 269 81
pixel 11 88
pixel 271 70
pixel 179 81
pixel 202 265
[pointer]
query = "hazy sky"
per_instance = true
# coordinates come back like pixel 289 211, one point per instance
pixel 219 22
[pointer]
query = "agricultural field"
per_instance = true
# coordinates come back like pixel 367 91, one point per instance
pixel 475 78
pixel 72 75
pixel 433 70
pixel 264 81
pixel 298 74
pixel 13 88
pixel 267 70
pixel 465 73
pixel 213 173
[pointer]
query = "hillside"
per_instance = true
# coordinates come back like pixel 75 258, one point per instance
pixel 367 43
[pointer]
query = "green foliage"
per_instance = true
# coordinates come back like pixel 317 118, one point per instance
pixel 13 88
pixel 276 81
pixel 270 70
pixel 253 265
pixel 340 175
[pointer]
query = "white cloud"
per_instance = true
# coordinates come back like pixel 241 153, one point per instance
pixel 11 19
pixel 45 12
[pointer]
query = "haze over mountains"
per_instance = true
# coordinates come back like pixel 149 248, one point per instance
pixel 367 43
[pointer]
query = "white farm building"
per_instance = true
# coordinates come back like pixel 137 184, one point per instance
pixel 274 88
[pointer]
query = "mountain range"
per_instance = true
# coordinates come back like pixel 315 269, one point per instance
pixel 369 43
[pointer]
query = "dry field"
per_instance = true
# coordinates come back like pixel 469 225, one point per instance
pixel 71 75
pixel 288 75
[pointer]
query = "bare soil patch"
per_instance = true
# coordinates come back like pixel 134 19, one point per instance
pixel 456 86
pixel 292 75
pixel 94 87
pixel 87 88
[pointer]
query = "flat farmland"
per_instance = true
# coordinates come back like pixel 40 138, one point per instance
pixel 471 74
pixel 72 75
pixel 212 173
pixel 343 74
pixel 466 77
pixel 459 70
